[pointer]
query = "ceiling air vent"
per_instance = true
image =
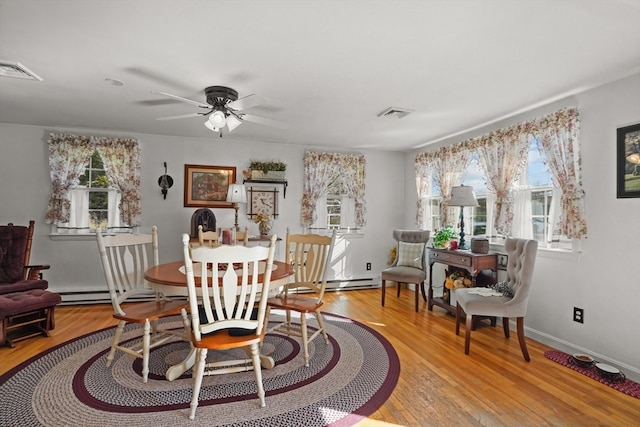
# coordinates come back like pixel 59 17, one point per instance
pixel 395 112
pixel 17 70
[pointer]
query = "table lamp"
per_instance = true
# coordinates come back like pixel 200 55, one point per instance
pixel 462 196
pixel 236 194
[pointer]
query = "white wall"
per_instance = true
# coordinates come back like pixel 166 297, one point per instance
pixel 25 186
pixel 604 279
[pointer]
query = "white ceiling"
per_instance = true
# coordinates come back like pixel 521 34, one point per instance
pixel 326 67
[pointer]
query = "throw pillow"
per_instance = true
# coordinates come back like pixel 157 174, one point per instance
pixel 504 288
pixel 410 254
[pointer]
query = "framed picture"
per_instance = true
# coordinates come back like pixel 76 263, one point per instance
pixel 629 161
pixel 262 200
pixel 206 186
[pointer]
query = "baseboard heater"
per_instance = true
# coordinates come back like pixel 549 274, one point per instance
pixel 352 284
pixel 102 297
pixel 91 297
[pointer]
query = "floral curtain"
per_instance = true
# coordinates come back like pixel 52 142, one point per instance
pixel 352 168
pixel 558 138
pixel 448 165
pixel 502 155
pixel 421 166
pixel 68 157
pixel 121 158
pixel 320 169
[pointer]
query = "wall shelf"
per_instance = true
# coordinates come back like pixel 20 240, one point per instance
pixel 282 182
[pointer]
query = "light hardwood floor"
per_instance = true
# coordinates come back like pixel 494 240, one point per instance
pixel 438 384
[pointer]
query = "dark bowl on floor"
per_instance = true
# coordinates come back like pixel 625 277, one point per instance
pixel 583 360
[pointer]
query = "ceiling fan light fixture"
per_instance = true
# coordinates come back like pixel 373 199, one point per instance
pixel 217 119
pixel 211 127
pixel 232 122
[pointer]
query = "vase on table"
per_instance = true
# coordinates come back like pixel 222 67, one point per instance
pixel 265 228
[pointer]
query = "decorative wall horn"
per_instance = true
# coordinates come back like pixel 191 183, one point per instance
pixel 165 182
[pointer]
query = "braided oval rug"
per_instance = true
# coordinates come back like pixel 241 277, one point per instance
pixel 69 385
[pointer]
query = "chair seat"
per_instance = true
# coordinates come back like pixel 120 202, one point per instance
pixel 295 302
pixel 152 310
pixel 489 305
pixel 223 340
pixel 404 274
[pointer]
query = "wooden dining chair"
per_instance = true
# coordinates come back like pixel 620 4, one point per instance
pixel 207 238
pixel 125 258
pixel 227 311
pixel 310 256
pixel 243 236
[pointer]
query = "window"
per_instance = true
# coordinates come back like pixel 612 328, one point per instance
pixel 525 206
pixel 334 205
pixel 97 186
pixel 335 211
pixel 540 201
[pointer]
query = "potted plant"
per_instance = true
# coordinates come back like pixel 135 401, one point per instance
pixel 442 238
pixel 269 169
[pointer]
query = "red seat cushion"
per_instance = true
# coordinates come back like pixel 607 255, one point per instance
pixel 24 302
pixel 23 285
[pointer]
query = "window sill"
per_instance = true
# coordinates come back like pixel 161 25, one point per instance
pixel 343 233
pixel 79 237
pixel 72 237
pixel 550 253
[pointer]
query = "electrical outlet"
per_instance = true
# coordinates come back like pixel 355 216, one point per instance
pixel 502 261
pixel 578 315
pixel 368 266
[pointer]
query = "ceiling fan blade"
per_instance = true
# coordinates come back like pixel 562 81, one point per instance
pixel 179 98
pixel 264 121
pixel 246 102
pixel 181 116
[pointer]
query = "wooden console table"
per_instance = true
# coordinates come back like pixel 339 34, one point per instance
pixel 473 263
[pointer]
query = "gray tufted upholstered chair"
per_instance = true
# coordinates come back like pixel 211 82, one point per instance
pixel 522 258
pixel 409 265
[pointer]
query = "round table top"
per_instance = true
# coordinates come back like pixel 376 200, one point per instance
pixel 170 274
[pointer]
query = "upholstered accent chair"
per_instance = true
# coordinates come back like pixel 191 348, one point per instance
pixel 409 265
pixel 521 261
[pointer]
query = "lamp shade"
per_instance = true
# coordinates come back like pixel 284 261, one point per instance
pixel 236 194
pixel 463 196
pixel 212 128
pixel 232 122
pixel 217 119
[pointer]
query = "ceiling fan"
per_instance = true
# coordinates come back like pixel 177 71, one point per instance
pixel 224 109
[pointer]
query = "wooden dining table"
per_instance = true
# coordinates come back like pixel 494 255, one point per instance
pixel 170 279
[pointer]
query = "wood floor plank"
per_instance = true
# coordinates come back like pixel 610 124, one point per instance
pixel 438 384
